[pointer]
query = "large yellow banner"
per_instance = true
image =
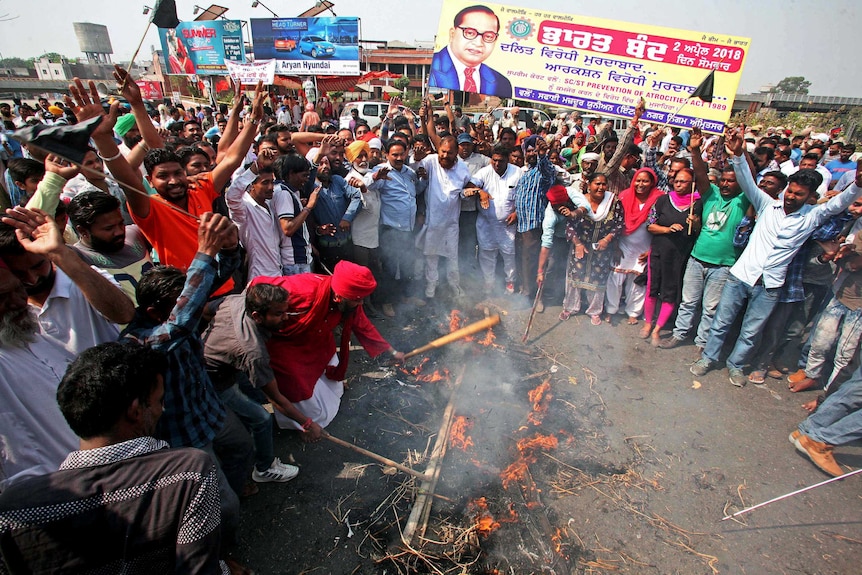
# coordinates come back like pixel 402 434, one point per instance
pixel 595 65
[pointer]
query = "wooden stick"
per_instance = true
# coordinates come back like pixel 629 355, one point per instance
pixel 376 457
pixel 135 55
pixel 797 492
pixel 533 311
pixel 456 335
pixel 418 519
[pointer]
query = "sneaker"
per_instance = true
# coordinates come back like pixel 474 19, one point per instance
pixel 278 472
pixel 737 378
pixel 510 288
pixel 670 343
pixel 819 453
pixel 388 310
pixel 701 367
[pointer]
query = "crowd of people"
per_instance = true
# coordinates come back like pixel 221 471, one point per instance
pixel 166 278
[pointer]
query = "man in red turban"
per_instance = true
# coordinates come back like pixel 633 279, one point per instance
pixel 307 368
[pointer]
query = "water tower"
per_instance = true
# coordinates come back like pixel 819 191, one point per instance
pixel 94 41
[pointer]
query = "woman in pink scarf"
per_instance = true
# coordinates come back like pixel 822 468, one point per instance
pixel 674 222
pixel 637 201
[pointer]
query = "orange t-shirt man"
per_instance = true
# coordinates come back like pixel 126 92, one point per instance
pixel 173 233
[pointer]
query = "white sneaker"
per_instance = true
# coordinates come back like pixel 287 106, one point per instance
pixel 278 472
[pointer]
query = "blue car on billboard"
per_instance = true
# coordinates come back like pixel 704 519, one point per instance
pixel 316 46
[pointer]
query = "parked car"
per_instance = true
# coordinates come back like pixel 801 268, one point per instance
pixel 316 46
pixel 369 111
pixel 497 116
pixel 285 44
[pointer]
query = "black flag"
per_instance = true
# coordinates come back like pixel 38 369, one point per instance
pixel 704 90
pixel 165 14
pixel 69 142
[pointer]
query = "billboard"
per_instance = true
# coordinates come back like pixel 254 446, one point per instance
pixel 202 47
pixel 600 66
pixel 308 46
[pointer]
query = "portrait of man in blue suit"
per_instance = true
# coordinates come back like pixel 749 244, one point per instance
pixel 459 65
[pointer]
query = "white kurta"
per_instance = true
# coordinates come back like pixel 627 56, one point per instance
pixel 443 206
pixel 491 228
pixel 321 407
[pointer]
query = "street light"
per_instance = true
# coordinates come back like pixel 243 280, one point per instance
pixel 146 9
pixel 257 3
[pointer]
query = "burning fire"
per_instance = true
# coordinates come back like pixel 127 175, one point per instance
pixel 559 539
pixel 418 369
pixel 540 398
pixel 488 339
pixel 485 523
pixel 455 321
pixel 436 376
pixel 458 433
pixel 528 449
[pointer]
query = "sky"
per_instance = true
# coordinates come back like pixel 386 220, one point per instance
pixel 789 37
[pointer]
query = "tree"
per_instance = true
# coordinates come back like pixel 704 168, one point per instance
pixel 53 57
pixel 792 85
pixel 401 83
pixel 14 62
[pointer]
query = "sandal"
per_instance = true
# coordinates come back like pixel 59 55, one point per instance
pixel 607 318
pixel 757 377
pixel 632 320
pixel 564 315
pixel 646 331
pixel 596 320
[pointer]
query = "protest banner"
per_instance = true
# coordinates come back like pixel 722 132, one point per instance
pixel 253 72
pixel 202 47
pixel 150 90
pixel 308 46
pixel 599 66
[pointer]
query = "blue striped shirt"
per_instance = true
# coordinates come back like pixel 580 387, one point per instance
pixel 193 412
pixel 530 198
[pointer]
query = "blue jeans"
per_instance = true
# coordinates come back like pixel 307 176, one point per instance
pixel 838 324
pixel 700 282
pixel 761 301
pixel 258 420
pixel 838 420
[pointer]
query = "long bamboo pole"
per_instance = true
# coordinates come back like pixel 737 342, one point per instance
pixel 456 335
pixel 376 457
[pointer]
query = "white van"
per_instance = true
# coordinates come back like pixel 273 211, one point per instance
pixel 497 116
pixel 370 111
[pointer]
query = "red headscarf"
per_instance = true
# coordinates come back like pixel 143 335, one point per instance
pixel 352 281
pixel 558 195
pixel 635 214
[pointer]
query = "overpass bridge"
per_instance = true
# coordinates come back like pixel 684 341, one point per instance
pixel 792 102
pixel 30 88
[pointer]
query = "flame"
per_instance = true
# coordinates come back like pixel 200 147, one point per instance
pixel 455 321
pixel 528 449
pixel 458 433
pixel 528 446
pixel 515 473
pixel 488 339
pixel 540 398
pixel 485 523
pixel 436 376
pixel 418 369
pixel 559 541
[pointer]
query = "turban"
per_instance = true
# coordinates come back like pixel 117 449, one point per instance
pixel 529 142
pixel 124 123
pixel 375 143
pixel 55 110
pixel 352 281
pixel 558 195
pixel 354 149
pixel 590 157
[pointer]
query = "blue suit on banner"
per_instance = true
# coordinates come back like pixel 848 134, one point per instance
pixel 444 75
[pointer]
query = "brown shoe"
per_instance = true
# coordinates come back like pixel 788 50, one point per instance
pixel 819 453
pixel 794 436
pixel 670 343
pixel 797 377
